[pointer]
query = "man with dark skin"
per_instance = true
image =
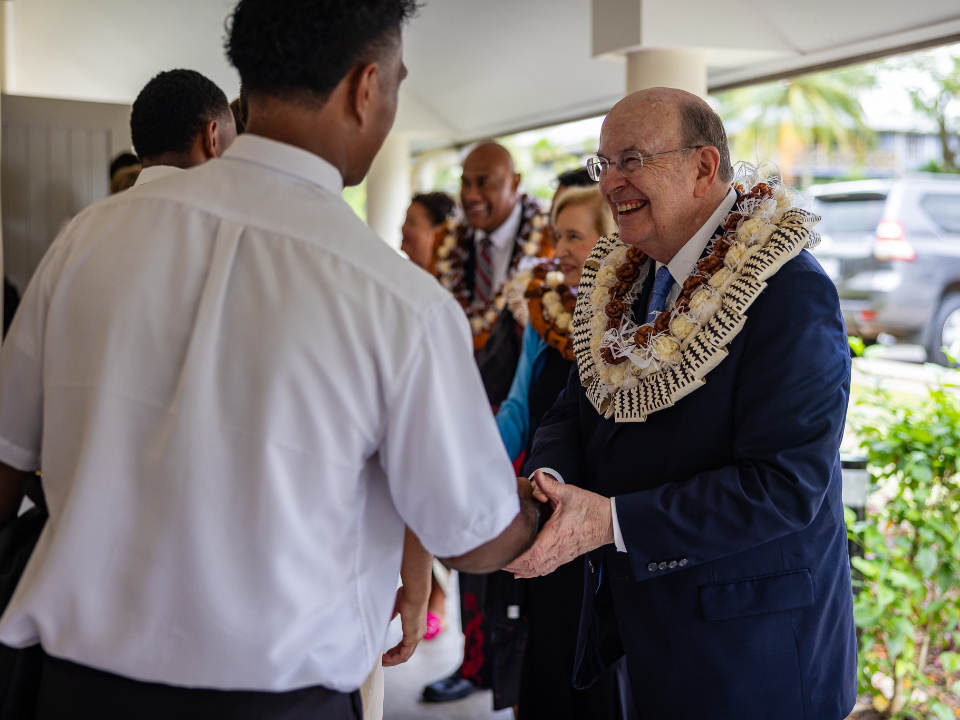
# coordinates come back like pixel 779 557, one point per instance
pixel 308 135
pixel 489 186
pixel 180 119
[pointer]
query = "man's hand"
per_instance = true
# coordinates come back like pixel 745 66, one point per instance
pixel 518 536
pixel 416 576
pixel 581 521
pixel 413 621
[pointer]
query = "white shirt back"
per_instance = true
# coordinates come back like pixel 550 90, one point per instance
pixel 238 395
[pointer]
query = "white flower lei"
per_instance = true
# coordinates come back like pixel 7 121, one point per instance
pixel 452 252
pixel 650 375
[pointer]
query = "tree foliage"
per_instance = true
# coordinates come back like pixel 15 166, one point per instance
pixel 940 101
pixel 788 117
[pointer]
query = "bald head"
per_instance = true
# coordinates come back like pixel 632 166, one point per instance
pixel 688 119
pixel 491 154
pixel 685 173
pixel 489 186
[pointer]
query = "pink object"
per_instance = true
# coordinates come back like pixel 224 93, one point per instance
pixel 434 626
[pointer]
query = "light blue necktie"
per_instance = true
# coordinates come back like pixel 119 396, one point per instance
pixel 661 288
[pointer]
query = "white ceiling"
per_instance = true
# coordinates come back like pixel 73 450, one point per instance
pixel 477 67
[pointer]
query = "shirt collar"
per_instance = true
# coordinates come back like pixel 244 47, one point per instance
pixel 155 172
pixel 507 230
pixel 286 159
pixel 689 255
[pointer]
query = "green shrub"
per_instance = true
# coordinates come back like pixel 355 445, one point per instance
pixel 906 608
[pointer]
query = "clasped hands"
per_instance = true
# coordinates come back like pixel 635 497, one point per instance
pixel 579 521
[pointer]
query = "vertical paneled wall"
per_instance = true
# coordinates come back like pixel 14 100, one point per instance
pixel 54 161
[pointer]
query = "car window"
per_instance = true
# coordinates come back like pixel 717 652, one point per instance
pixel 849 213
pixel 944 210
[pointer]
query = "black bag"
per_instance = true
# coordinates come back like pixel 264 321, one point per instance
pixel 20 669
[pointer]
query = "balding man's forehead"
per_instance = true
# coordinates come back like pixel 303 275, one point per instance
pixel 633 128
pixel 490 156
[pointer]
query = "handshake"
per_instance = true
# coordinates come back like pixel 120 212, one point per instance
pixel 556 524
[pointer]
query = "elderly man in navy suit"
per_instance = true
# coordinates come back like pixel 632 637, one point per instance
pixel 698 440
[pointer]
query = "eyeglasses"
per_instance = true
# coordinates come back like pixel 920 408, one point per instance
pixel 629 163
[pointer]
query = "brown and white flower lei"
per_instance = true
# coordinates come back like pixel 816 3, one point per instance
pixel 538 296
pixel 632 370
pixel 454 249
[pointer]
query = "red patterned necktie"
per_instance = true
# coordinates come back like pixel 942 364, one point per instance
pixel 483 284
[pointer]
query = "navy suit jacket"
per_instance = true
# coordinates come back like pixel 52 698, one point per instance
pixel 734 598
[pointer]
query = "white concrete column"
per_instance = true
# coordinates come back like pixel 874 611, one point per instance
pixel 677 68
pixel 388 188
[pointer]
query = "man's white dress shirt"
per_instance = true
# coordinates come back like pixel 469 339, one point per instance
pixel 238 395
pixel 502 240
pixel 680 268
pixel 155 172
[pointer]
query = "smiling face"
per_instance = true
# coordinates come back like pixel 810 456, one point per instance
pixel 655 207
pixel 576 232
pixel 488 189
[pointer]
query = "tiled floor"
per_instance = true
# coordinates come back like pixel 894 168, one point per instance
pixel 433 660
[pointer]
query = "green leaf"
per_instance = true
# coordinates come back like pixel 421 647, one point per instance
pixel 946 578
pixel 895 646
pixel 903 580
pixel 950 662
pixel 941 711
pixel 955 688
pixel 927 561
pixel 867 567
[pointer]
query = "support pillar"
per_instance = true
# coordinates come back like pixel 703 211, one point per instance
pixel 388 188
pixel 677 68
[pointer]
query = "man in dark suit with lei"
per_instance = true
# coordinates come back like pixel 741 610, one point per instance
pixel 699 437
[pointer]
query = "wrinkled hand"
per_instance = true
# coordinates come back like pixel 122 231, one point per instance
pixel 413 621
pixel 581 522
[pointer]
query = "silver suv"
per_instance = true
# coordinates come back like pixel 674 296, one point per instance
pixel 893 249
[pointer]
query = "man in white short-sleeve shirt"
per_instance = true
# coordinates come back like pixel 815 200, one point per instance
pixel 238 396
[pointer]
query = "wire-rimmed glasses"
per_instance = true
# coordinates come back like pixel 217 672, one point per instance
pixel 629 163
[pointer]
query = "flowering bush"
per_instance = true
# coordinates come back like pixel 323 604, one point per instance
pixel 909 579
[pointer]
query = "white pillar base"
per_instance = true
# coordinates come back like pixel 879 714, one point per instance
pixel 675 68
pixel 388 189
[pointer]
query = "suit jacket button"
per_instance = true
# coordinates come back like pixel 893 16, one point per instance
pixel 651 567
pixel 672 565
pixel 662 566
pixel 590 564
pixel 682 562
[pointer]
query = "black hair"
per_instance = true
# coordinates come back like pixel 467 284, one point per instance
pixel 121 161
pixel 437 204
pixel 699 126
pixel 576 178
pixel 302 49
pixel 171 109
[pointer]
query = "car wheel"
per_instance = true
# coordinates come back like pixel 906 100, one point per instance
pixel 946 331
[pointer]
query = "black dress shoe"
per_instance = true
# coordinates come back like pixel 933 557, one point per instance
pixel 450 688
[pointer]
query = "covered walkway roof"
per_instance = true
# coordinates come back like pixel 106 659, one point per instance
pixel 478 68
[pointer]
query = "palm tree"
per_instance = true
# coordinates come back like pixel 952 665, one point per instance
pixel 944 73
pixel 783 119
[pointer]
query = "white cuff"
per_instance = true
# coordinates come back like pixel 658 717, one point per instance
pixel 617 535
pixel 551 471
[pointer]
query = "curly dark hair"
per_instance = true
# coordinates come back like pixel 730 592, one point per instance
pixel 171 109
pixel 437 204
pixel 303 48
